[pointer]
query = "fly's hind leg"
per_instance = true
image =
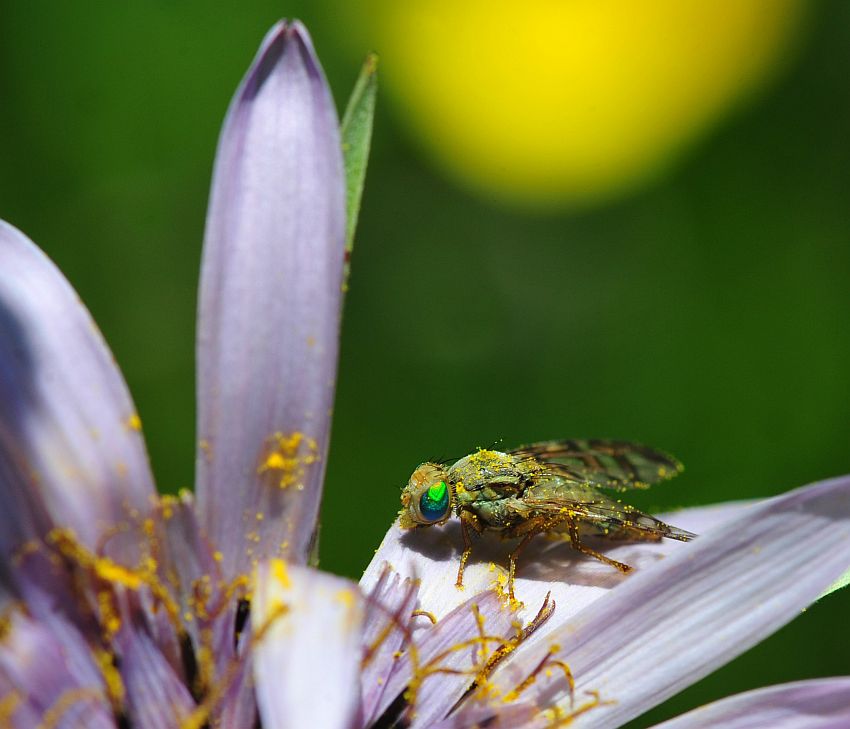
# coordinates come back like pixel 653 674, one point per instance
pixel 576 544
pixel 468 521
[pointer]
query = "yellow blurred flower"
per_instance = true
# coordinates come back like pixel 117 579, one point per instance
pixel 571 101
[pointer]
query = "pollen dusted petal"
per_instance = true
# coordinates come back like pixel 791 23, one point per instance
pixel 47 673
pixel 448 657
pixel 307 628
pixel 818 704
pixel 705 604
pixel 269 311
pixel 431 554
pixel 71 452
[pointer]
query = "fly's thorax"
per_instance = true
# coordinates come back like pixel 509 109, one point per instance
pixel 486 468
pixel 427 498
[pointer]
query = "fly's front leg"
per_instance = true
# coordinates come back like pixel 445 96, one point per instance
pixel 468 521
pixel 579 547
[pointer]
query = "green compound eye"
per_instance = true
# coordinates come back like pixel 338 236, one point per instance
pixel 434 503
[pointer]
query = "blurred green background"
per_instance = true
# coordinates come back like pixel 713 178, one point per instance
pixel 704 311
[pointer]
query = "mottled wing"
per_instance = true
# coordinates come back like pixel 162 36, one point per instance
pixel 610 464
pixel 557 496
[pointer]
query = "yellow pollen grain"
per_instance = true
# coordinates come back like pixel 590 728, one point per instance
pixel 288 456
pixel 167 502
pixel 346 597
pixel 134 422
pixel 275 461
pixel 280 573
pixel 108 615
pixel 111 676
pixel 148 527
pixel 111 572
pixel 8 706
pixel 218 556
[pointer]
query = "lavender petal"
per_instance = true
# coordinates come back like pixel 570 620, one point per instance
pixel 818 704
pixel 386 625
pixel 269 311
pixel 574 581
pixel 307 628
pixel 155 695
pixel 707 603
pixel 71 451
pixel 448 658
pixel 50 669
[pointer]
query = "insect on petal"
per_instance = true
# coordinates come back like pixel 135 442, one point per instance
pixel 269 311
pixel 574 581
pixel 702 606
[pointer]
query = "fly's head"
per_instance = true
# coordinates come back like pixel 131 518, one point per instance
pixel 427 499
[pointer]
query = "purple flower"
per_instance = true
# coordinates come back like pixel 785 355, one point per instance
pixel 122 608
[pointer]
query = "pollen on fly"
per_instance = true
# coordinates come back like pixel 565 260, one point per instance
pixel 553 487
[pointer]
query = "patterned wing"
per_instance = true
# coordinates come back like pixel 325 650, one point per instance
pixel 609 464
pixel 558 497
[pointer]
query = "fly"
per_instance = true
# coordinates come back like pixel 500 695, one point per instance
pixel 554 487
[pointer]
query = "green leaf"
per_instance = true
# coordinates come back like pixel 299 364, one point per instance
pixel 356 132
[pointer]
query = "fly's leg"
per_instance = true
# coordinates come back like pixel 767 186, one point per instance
pixel 527 529
pixel 576 544
pixel 467 521
pixel 512 558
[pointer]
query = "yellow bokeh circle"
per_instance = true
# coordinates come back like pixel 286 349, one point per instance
pixel 571 102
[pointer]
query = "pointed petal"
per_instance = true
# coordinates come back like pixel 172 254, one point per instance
pixel 71 453
pixel 573 580
pixel 270 308
pixel 818 704
pixel 389 608
pixel 307 627
pixel 707 603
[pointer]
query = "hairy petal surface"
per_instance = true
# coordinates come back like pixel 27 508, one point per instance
pixel 269 309
pixel 307 631
pixel 815 704
pixel 670 626
pixel 71 451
